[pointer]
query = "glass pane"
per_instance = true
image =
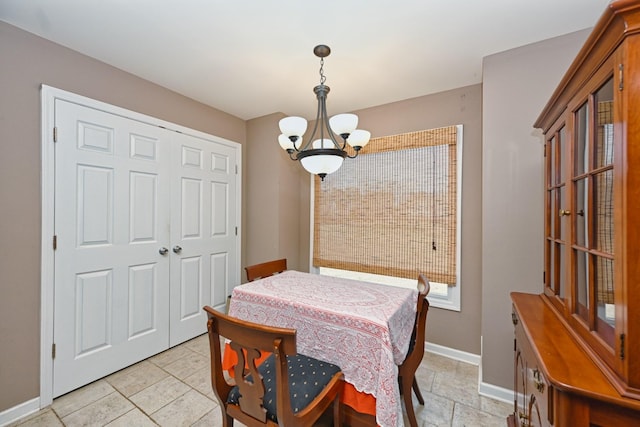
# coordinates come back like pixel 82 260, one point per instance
pixel 552 160
pixel 603 211
pixel 604 293
pixel 552 213
pixel 582 283
pixel 582 140
pixel 581 236
pixel 562 219
pixel 551 279
pixel 561 142
pixel 561 278
pixel 604 129
pixel 604 287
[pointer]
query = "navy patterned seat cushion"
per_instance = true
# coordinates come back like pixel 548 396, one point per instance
pixel 307 378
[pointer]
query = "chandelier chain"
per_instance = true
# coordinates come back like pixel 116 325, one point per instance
pixel 323 78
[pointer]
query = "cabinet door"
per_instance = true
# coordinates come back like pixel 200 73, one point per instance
pixel 557 207
pixel 594 198
pixel 520 392
pixel 535 419
pixel 532 403
pixel 540 408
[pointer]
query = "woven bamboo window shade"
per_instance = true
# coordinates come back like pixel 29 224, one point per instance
pixel 392 211
pixel 604 202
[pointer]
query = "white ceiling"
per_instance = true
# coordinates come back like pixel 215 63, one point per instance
pixel 255 57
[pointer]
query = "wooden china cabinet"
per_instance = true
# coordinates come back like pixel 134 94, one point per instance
pixel 577 344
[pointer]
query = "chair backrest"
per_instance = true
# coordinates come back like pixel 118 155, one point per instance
pixel 248 340
pixel 250 400
pixel 265 269
pixel 416 350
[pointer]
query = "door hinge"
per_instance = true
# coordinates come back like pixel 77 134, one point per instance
pixel 621 346
pixel 53 351
pixel 236 231
pixel 55 134
pixel 620 74
pixel 55 242
pixel 236 169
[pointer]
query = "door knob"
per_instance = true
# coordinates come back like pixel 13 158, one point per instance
pixel 177 249
pixel 163 251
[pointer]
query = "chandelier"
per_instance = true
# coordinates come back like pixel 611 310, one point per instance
pixel 325 154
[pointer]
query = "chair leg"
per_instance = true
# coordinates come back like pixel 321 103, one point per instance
pixel 336 412
pixel 227 421
pixel 408 401
pixel 416 389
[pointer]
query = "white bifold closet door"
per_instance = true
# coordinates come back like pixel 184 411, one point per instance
pixel 143 225
pixel 203 191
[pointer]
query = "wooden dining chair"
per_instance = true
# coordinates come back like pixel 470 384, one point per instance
pixel 287 389
pixel 407 371
pixel 265 269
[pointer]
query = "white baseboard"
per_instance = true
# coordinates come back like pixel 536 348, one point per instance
pixel 452 353
pixel 489 390
pixel 19 411
pixel 493 391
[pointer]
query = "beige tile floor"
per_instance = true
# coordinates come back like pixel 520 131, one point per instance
pixel 173 389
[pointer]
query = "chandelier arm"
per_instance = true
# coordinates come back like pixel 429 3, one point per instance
pixel 318 118
pixel 355 155
pixel 329 131
pixel 293 139
pixel 305 145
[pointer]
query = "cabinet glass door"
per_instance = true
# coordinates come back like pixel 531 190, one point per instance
pixel 593 197
pixel 603 213
pixel 557 229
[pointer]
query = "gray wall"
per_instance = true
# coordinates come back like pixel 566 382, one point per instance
pixel 27 62
pixel 272 205
pixel 516 86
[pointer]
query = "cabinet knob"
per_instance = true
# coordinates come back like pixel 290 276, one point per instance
pixel 564 212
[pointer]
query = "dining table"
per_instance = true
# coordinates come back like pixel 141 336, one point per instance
pixel 365 328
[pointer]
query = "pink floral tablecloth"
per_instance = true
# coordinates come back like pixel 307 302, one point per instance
pixel 364 328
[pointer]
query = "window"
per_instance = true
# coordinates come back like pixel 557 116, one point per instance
pixel 394 213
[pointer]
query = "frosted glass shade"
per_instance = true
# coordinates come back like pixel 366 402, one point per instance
pixel 322 164
pixel 293 126
pixel 323 143
pixel 285 142
pixel 343 123
pixel 359 138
